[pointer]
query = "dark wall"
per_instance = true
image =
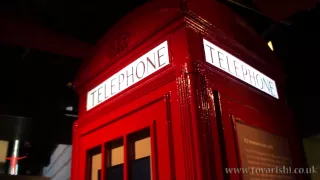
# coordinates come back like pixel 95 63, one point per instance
pixel 298 47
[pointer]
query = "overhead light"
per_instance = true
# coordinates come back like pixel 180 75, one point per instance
pixel 270 45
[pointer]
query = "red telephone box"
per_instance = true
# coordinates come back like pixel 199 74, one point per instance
pixel 181 90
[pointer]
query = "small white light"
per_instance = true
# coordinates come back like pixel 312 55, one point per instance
pixel 270 45
pixel 69 108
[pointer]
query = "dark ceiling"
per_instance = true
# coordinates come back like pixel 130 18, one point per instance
pixel 83 20
pixel 36 74
pixel 35 78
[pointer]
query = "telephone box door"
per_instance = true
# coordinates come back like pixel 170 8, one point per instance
pixel 134 146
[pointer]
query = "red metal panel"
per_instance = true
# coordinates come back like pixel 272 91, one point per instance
pixel 253 107
pixel 190 140
pixel 130 123
pixel 229 27
pixel 124 36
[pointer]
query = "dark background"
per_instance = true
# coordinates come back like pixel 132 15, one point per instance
pixel 36 70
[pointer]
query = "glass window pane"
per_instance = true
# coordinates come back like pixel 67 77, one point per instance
pixel 141 156
pixel 96 166
pixel 115 160
pixel 117 156
pixel 142 148
pixel 94 162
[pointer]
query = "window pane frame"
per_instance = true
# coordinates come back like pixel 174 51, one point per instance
pixel 90 154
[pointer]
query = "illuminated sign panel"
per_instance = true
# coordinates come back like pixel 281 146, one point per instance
pixel 237 68
pixel 141 68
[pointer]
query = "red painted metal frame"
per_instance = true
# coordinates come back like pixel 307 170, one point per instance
pixel 188 104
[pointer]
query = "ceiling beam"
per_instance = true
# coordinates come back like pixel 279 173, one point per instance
pixel 281 10
pixel 278 11
pixel 26 33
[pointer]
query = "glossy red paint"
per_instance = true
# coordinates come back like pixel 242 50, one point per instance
pixel 188 105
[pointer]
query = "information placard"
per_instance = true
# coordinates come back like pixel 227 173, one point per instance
pixel 264 156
